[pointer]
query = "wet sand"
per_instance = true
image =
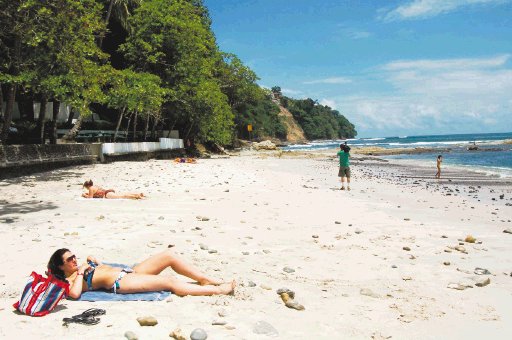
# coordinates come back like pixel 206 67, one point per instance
pixel 378 262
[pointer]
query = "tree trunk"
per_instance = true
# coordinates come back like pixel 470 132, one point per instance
pixel 189 129
pixel 1 108
pixel 135 126
pixel 171 127
pixel 71 135
pixel 55 114
pixel 69 123
pixel 153 128
pixel 11 96
pixel 121 114
pixel 40 119
pixel 146 128
pixel 1 101
pixel 128 126
pixel 107 18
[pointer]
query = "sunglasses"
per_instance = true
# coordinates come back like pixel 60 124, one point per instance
pixel 71 258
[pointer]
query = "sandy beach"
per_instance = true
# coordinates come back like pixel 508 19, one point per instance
pixel 377 262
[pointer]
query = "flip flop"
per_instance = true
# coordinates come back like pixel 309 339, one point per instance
pixel 94 312
pixel 86 318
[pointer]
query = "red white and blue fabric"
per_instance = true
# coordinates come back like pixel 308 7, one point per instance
pixel 41 295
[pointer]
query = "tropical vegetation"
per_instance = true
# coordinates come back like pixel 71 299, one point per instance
pixel 142 66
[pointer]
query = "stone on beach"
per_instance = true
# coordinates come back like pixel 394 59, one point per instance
pixel 369 292
pixel 265 145
pixel 288 296
pixel 458 286
pixel 177 334
pixel 482 271
pixel 263 327
pixel 288 270
pixel 198 334
pixel 147 321
pixel 508 231
pixel 130 335
pixel 483 282
pixel 470 239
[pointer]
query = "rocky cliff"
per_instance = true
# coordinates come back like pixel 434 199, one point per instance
pixel 294 133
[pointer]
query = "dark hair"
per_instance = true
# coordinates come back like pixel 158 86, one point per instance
pixel 439 156
pixel 88 183
pixel 55 262
pixel 346 148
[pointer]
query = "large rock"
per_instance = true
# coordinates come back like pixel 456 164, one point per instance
pixel 265 145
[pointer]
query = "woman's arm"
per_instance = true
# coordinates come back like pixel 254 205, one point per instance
pixel 77 285
pixel 93 259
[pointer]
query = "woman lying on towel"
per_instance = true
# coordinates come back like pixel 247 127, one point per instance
pixel 143 277
pixel 185 160
pixel 98 192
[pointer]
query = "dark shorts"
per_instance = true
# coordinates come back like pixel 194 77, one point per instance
pixel 344 171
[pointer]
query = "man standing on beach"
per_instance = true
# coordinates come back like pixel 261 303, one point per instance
pixel 344 170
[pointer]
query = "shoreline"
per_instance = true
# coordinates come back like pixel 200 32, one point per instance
pixel 367 263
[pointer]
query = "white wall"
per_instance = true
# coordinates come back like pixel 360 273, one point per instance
pixel 124 148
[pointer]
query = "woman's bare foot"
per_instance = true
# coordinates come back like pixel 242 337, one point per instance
pixel 208 281
pixel 227 288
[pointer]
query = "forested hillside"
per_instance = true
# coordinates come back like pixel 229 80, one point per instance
pixel 142 66
pixel 316 120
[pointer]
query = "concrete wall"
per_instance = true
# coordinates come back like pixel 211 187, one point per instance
pixel 124 148
pixel 18 160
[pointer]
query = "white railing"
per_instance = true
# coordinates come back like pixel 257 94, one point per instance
pixel 125 148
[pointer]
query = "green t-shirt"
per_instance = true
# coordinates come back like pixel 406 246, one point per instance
pixel 344 158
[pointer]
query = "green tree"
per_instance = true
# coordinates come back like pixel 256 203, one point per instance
pixel 51 51
pixel 133 93
pixel 173 40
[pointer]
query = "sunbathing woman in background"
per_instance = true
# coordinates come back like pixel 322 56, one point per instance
pixel 143 277
pixel 98 192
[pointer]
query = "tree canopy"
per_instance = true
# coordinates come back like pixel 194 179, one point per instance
pixel 144 63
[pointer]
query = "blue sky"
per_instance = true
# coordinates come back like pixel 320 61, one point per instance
pixel 393 68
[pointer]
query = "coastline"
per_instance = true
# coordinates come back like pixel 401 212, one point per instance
pixel 267 211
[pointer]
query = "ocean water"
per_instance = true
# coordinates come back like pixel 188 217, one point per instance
pixel 492 156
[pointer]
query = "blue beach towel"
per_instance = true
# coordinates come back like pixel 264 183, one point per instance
pixel 103 295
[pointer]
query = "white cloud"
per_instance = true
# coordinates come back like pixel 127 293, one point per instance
pixel 291 92
pixel 462 63
pixel 429 96
pixel 356 34
pixel 333 80
pixel 328 102
pixel 419 9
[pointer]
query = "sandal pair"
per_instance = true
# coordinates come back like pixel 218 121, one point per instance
pixel 85 318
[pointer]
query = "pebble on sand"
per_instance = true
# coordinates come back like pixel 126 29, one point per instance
pixel 483 283
pixel 130 335
pixel 406 248
pixel 288 270
pixel 368 292
pixel 147 321
pixel 198 334
pixel 263 327
pixel 458 286
pixel 177 334
pixel 470 239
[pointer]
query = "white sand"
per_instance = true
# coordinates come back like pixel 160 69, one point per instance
pixel 272 208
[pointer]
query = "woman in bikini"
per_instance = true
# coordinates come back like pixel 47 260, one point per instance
pixel 98 192
pixel 143 277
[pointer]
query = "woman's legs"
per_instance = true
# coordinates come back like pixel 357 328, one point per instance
pixel 128 195
pixel 137 283
pixel 156 263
